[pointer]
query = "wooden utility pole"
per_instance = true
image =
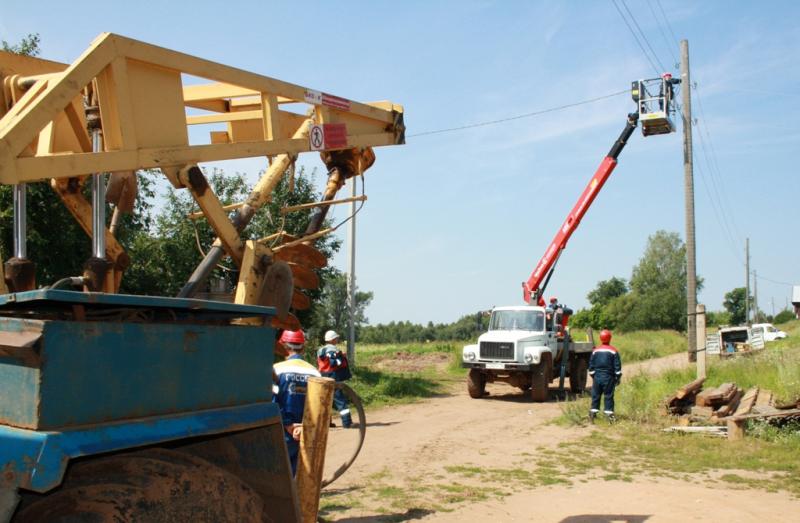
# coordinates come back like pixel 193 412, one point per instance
pixel 755 297
pixel 313 443
pixel 351 277
pixel 747 281
pixel 688 177
pixel 701 341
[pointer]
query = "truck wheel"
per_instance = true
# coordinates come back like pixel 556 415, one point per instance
pixel 155 485
pixel 539 382
pixel 578 371
pixel 476 383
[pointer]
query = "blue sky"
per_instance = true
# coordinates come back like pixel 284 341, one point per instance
pixel 456 221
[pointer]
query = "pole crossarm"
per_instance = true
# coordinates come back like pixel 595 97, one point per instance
pixel 149 99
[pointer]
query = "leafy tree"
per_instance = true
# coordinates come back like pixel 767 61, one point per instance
pixel 597 316
pixel 657 299
pixel 333 309
pixel 717 318
pixel 28 46
pixel 607 290
pixel 734 303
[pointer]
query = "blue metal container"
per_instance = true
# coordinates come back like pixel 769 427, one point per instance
pixel 70 359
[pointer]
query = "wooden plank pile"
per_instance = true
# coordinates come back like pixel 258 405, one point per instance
pixel 726 405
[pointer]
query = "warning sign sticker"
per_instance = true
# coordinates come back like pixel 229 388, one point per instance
pixel 328 136
pixel 316 138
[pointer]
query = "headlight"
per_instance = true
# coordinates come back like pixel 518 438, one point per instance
pixel 471 356
pixel 528 357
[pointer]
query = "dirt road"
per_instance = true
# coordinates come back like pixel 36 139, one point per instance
pixel 453 458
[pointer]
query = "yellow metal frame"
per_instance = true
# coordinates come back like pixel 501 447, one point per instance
pixel 147 98
pixel 146 110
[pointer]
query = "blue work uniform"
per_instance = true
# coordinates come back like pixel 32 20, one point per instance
pixel 333 364
pixel 292 375
pixel 605 367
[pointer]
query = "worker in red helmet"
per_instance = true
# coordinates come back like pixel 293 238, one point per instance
pixel 332 363
pixel 292 376
pixel 605 367
pixel 553 303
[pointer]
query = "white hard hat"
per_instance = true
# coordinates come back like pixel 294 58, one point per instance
pixel 331 335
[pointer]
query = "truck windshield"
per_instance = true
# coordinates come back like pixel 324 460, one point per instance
pixel 517 320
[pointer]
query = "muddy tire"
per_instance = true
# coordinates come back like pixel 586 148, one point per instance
pixel 578 374
pixel 539 381
pixel 155 485
pixel 476 383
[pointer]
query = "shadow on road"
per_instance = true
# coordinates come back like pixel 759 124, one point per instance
pixel 606 518
pixel 409 515
pixel 517 396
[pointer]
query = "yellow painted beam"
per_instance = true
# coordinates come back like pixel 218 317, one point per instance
pixel 194 180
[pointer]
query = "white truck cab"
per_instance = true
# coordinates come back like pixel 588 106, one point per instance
pixel 770 332
pixel 521 348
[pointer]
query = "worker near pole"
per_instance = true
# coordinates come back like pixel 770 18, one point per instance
pixel 332 363
pixel 292 377
pixel 605 367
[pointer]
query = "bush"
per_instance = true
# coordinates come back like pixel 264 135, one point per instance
pixel 784 316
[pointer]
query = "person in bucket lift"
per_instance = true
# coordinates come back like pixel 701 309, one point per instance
pixel 605 367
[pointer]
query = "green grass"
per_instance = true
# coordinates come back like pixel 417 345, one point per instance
pixel 378 384
pixel 645 345
pixel 637 443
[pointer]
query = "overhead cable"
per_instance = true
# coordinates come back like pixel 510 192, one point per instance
pixel 520 116
pixel 663 34
pixel 636 37
pixel 644 36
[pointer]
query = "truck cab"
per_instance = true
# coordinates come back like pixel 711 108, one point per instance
pixel 520 348
pixel 769 331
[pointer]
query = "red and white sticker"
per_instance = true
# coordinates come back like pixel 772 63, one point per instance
pixel 342 104
pixel 327 136
pixel 319 98
pixel 313 97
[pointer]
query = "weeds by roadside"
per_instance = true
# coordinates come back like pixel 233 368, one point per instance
pixel 769 452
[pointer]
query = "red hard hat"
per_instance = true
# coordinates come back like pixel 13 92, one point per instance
pixel 553 298
pixel 296 337
pixel 605 335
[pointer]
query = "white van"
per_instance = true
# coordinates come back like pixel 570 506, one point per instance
pixel 769 331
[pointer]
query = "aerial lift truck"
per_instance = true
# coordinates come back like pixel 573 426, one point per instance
pixel 144 408
pixel 527 346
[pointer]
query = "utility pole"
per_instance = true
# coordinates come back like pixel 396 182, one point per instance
pixel 755 296
pixel 351 276
pixel 688 177
pixel 747 281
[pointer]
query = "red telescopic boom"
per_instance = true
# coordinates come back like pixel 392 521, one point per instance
pixel 533 288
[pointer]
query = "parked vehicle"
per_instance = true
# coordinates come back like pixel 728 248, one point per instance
pixel 769 331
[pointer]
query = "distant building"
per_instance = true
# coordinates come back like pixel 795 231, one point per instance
pixel 796 300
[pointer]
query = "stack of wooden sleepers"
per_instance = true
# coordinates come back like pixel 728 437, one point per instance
pixel 726 405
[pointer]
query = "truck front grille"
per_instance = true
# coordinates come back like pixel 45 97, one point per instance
pixel 497 350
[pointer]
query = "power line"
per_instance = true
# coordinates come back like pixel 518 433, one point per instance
pixel 636 37
pixel 644 36
pixel 663 34
pixel 716 172
pixel 520 116
pixel 775 281
pixel 669 26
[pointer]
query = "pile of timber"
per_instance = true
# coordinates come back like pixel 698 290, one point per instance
pixel 718 405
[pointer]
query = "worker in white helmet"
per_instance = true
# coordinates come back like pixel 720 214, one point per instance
pixel 332 363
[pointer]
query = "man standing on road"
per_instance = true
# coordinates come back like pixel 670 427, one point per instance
pixel 332 363
pixel 605 367
pixel 292 377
